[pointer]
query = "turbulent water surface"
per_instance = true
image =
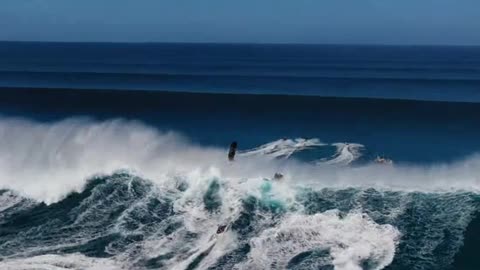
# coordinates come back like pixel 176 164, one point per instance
pixel 96 179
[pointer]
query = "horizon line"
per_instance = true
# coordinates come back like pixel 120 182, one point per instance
pixel 244 43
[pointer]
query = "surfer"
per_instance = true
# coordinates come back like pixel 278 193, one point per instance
pixel 277 176
pixel 232 151
pixel 221 229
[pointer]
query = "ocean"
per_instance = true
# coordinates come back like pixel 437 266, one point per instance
pixel 114 156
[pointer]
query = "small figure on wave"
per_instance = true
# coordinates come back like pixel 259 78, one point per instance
pixel 278 176
pixel 383 160
pixel 232 151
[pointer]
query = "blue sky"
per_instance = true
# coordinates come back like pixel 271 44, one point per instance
pixel 455 22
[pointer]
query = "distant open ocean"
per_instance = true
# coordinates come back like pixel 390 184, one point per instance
pixel 113 156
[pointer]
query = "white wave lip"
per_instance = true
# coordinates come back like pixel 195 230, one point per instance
pixel 346 153
pixel 350 240
pixel 283 148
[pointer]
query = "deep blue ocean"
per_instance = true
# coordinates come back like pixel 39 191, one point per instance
pixel 114 156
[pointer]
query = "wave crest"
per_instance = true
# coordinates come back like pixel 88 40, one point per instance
pixel 46 161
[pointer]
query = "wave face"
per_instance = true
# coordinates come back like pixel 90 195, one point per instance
pixel 419 73
pixel 119 194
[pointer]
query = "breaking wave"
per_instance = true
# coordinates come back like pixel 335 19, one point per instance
pixel 82 194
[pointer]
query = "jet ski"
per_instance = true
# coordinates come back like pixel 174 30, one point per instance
pixel 383 160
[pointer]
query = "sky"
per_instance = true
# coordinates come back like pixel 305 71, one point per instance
pixel 407 22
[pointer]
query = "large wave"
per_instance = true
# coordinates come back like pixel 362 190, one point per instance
pixel 46 161
pixel 119 194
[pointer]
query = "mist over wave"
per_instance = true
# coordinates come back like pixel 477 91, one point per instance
pixel 47 160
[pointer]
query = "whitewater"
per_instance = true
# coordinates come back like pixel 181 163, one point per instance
pixel 119 194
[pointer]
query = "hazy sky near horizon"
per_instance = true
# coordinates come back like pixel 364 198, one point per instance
pixel 450 22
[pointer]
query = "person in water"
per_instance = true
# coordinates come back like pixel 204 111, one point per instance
pixel 221 229
pixel 232 151
pixel 277 176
